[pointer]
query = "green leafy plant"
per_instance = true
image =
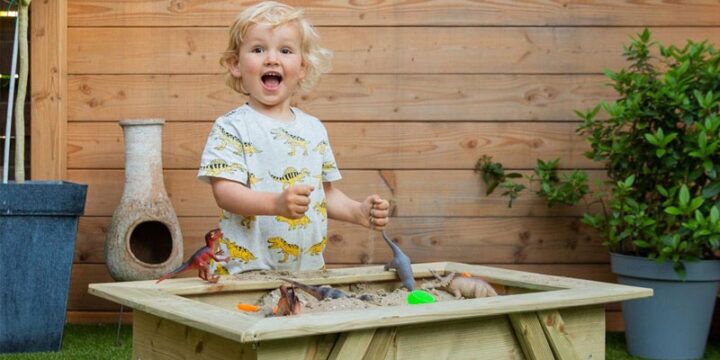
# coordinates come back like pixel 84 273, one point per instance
pixel 493 175
pixel 660 145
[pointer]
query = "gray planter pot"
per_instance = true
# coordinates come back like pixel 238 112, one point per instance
pixel 674 322
pixel 38 227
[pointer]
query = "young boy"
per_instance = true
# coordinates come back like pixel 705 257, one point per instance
pixel 270 165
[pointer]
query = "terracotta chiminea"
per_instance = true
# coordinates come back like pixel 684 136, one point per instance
pixel 144 241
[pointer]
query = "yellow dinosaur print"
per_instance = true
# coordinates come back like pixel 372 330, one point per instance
pixel 238 252
pixel 328 165
pixel 321 147
pixel 293 140
pixel 294 223
pixel 219 166
pixel 317 248
pixel 239 147
pixel 221 270
pixel 223 215
pixel 291 176
pixel 321 208
pixel 252 179
pixel 226 138
pixel 286 249
pixel 250 149
pixel 247 221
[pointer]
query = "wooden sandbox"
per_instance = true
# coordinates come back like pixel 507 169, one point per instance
pixel 539 317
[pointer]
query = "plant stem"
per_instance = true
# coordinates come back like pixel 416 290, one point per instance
pixel 23 6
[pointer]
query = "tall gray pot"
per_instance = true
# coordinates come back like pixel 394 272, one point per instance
pixel 674 322
pixel 144 240
pixel 38 227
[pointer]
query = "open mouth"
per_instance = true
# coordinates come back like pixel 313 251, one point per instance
pixel 271 80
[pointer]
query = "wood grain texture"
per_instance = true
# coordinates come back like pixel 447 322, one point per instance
pixel 613 319
pixel 439 193
pixel 352 97
pixel 559 338
pixel 530 335
pixel 48 89
pixel 164 301
pixel 388 50
pixel 403 13
pixel 157 338
pixel 396 145
pixel 85 274
pixel 473 240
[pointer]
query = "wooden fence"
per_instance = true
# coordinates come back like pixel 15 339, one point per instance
pixel 419 91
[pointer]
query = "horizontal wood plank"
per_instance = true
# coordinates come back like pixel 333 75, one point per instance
pixel 84 274
pixel 389 50
pixel 613 318
pixel 468 240
pixel 427 145
pixel 403 13
pixel 410 192
pixel 471 97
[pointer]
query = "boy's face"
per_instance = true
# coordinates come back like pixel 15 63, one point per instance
pixel 270 64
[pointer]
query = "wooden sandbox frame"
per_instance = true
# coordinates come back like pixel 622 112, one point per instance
pixel 542 317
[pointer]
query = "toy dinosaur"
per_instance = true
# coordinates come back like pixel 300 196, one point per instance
pixel 289 304
pixel 319 292
pixel 468 287
pixel 199 260
pixel 401 264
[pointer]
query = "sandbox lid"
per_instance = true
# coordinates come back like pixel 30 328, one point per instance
pixel 166 300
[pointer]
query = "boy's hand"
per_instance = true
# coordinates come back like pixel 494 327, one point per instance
pixel 377 210
pixel 293 202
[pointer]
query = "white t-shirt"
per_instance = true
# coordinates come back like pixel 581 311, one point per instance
pixel 266 154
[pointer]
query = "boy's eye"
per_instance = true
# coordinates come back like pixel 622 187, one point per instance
pixel 256 49
pixel 286 51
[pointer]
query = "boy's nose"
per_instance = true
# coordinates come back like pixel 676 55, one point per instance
pixel 271 59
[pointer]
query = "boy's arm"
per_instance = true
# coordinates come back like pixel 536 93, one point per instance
pixel 341 207
pixel 236 198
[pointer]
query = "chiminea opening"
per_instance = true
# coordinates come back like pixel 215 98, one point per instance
pixel 151 242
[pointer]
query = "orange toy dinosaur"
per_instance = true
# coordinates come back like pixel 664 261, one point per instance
pixel 200 259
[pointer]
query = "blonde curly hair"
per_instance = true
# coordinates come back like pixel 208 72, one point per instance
pixel 315 58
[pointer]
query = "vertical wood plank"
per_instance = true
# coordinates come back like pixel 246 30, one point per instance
pixel 163 339
pixel 381 344
pixel 352 345
pixel 554 328
pixel 530 334
pixel 48 85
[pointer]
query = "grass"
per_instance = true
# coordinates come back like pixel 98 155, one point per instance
pixel 98 342
pixel 91 342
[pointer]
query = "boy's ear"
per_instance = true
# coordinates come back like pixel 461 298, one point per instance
pixel 234 67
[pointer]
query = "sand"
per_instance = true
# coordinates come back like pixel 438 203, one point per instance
pixel 309 304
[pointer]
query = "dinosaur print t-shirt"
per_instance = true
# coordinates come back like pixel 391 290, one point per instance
pixel 266 154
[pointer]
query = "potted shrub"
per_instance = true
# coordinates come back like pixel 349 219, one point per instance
pixel 659 211
pixel 38 227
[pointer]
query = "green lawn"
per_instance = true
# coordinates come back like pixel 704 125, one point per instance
pixel 97 342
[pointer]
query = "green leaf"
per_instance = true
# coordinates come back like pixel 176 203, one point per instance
pixel 673 210
pixel 660 152
pixel 630 180
pixel 641 244
pixel 696 203
pixel 711 190
pixel 662 190
pixel 714 214
pixel 684 196
pixel 651 139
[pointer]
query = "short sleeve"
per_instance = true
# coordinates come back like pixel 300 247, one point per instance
pixel 330 171
pixel 224 155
